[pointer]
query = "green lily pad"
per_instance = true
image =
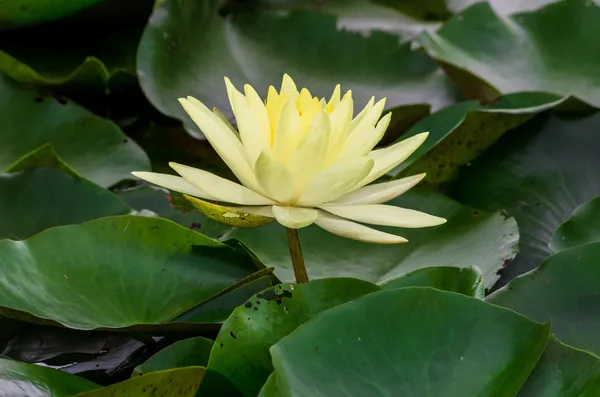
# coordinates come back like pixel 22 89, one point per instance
pixel 115 272
pixel 466 281
pixel 37 199
pixel 582 228
pixel 192 38
pixel 179 382
pixel 538 173
pixel 564 289
pixel 26 380
pixel 563 371
pixel 460 133
pixel 241 350
pixel 219 309
pixel 414 341
pixel 469 238
pixel 184 353
pixel 93 146
pixel 44 156
pixel 31 12
pixel 161 202
pixel 553 49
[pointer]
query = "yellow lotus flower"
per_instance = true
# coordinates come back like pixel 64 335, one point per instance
pixel 303 160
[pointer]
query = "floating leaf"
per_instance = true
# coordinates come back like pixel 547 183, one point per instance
pixel 582 228
pixel 93 146
pixel 115 272
pixel 552 49
pixel 31 12
pixel 419 340
pixel 538 173
pixel 27 380
pixel 564 290
pixel 241 351
pixel 180 382
pixel 184 353
pixel 563 372
pixel 466 281
pixel 192 38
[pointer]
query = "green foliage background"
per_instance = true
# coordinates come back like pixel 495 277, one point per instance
pixel 109 286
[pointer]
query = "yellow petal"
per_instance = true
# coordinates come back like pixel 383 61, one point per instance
pixel 221 116
pixel 272 107
pixel 385 215
pixel 340 122
pixel 362 113
pixel 371 116
pixel 364 139
pixel 251 131
pixel 334 101
pixel 259 110
pixel 309 156
pixel 274 178
pixel 389 157
pixel 345 228
pixel 288 131
pixel 225 143
pixel 335 181
pixel 173 182
pixel 288 87
pixel 231 216
pixel 220 188
pixel 293 217
pixel 379 192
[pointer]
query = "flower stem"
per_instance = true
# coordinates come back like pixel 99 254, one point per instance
pixel 296 254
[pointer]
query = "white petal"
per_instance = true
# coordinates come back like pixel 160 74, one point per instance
pixel 274 178
pixel 294 217
pixel 385 215
pixel 345 228
pixel 173 182
pixel 220 188
pixel 252 134
pixel 363 139
pixel 225 143
pixel 221 116
pixel 309 156
pixel 379 192
pixel 335 181
pixel 389 157
pixel 371 116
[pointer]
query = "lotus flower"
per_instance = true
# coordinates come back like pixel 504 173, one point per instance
pixel 303 160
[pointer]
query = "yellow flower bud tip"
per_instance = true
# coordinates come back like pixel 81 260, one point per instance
pixel 302 160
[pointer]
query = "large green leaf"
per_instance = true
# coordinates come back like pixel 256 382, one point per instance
pixel 582 228
pixel 564 289
pixel 460 133
pixel 27 380
pixel 563 372
pixel 410 341
pixel 466 280
pixel 29 12
pixel 93 146
pixel 37 199
pixel 469 238
pixel 180 382
pixel 115 272
pixel 202 47
pixel 241 351
pixel 539 173
pixel 553 49
pixel 184 353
